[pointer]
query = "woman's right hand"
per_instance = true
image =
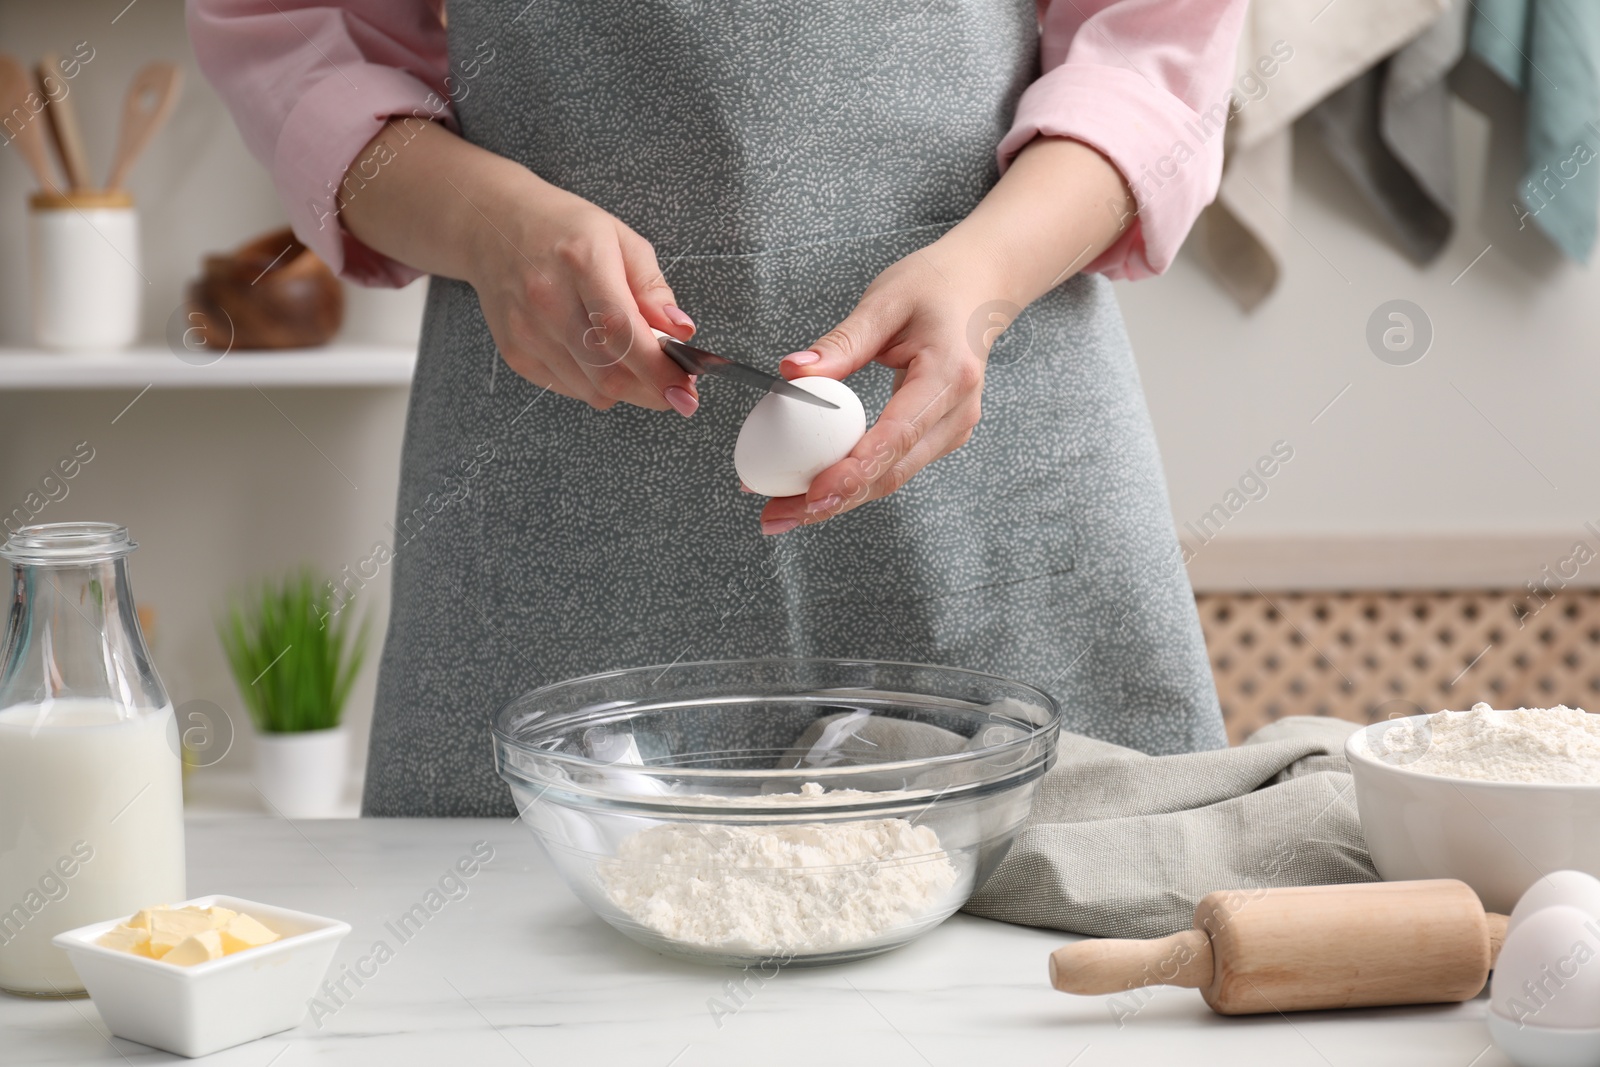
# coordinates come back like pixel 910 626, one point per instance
pixel 570 293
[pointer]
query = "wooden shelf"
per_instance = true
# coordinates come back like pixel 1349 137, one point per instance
pixel 333 366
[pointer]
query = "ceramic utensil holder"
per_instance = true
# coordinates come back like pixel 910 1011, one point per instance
pixel 83 252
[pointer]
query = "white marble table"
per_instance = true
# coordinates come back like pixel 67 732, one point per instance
pixel 518 972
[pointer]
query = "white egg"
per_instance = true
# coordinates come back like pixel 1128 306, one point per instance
pixel 1548 973
pixel 1576 888
pixel 784 443
pixel 1545 1046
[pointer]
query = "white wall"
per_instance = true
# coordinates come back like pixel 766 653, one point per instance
pixel 219 490
pixel 1404 453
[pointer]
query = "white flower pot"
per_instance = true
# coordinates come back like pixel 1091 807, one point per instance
pixel 302 775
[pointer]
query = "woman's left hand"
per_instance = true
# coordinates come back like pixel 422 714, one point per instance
pixel 913 317
pixel 1058 206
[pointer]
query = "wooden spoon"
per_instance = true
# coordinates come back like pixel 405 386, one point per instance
pixel 15 89
pixel 150 100
pixel 63 122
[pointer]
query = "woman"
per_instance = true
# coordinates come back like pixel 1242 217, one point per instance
pixel 819 178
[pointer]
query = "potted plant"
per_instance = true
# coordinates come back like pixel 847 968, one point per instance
pixel 294 660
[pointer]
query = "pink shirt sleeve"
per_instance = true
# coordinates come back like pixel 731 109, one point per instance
pixel 1145 83
pixel 310 84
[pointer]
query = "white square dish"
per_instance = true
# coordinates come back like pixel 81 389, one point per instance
pixel 200 1009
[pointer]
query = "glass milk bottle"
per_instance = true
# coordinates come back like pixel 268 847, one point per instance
pixel 91 792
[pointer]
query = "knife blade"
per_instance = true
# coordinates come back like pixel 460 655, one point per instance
pixel 699 361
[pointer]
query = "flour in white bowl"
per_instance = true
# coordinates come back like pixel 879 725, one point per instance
pixel 784 888
pixel 1545 745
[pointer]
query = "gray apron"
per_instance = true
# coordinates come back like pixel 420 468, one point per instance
pixel 778 156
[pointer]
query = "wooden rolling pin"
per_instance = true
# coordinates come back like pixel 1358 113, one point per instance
pixel 1306 948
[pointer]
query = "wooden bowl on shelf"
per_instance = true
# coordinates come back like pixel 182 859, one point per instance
pixel 268 294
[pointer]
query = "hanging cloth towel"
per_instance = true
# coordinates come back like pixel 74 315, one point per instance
pixel 1549 49
pixel 1245 233
pixel 1389 130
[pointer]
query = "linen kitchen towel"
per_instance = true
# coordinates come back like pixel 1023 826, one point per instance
pixel 1550 50
pixel 1245 234
pixel 1121 844
pixel 1389 130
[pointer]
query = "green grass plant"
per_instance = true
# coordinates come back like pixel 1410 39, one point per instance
pixel 293 659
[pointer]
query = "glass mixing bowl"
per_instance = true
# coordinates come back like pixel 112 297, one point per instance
pixel 776 811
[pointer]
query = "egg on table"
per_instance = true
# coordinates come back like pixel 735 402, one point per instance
pixel 1576 888
pixel 1544 997
pixel 784 443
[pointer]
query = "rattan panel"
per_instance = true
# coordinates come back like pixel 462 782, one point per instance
pixel 1365 656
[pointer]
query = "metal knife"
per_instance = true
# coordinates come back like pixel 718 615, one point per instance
pixel 699 361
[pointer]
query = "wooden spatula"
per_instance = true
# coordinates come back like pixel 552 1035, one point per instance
pixel 150 100
pixel 63 121
pixel 1307 948
pixel 16 86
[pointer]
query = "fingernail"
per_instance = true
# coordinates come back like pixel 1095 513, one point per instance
pixel 682 401
pixel 801 359
pixel 827 503
pixel 779 526
pixel 676 316
pixel 745 488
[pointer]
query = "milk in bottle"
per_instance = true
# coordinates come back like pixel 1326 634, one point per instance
pixel 91 798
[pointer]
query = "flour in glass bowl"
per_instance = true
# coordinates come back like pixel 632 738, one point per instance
pixel 1543 745
pixel 788 887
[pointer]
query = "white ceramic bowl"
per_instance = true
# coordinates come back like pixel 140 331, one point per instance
pixel 1498 837
pixel 197 1010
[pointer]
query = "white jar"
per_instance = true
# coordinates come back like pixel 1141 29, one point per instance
pixel 86 278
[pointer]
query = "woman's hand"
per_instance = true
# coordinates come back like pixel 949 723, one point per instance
pixel 913 317
pixel 1059 205
pixel 570 293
